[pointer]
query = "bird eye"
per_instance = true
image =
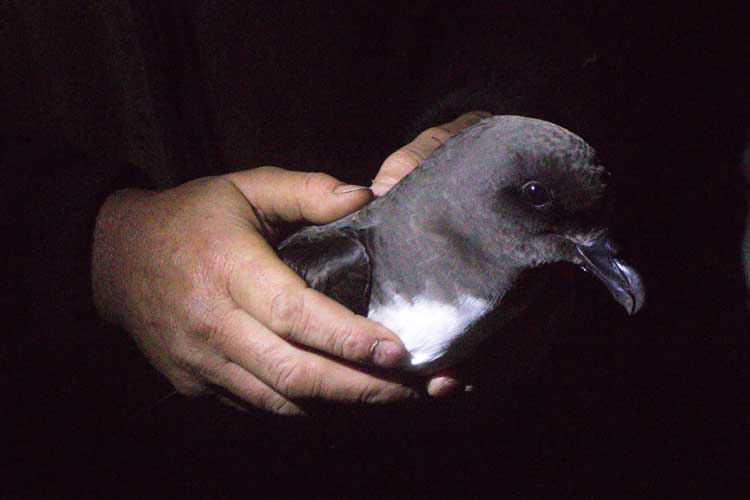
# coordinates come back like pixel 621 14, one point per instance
pixel 538 195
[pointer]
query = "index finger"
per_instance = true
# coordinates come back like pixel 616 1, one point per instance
pixel 406 159
pixel 277 297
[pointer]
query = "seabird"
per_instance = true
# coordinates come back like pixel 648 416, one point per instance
pixel 439 254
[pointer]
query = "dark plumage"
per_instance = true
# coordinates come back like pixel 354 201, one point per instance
pixel 443 248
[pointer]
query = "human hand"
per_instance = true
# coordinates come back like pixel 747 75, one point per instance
pixel 190 273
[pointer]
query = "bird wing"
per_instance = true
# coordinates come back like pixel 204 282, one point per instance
pixel 332 261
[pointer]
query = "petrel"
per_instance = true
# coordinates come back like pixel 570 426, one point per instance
pixel 443 249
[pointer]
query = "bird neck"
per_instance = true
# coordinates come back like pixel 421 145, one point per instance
pixel 436 258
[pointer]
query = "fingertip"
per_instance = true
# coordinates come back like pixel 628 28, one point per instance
pixel 331 202
pixel 387 353
pixel 349 198
pixel 381 186
pixel 442 386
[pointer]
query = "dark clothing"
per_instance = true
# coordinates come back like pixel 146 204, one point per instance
pixel 101 95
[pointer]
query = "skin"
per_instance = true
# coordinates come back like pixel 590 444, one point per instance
pixel 191 274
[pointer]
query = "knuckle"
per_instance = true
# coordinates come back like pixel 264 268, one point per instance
pixel 287 313
pixel 185 384
pixel 348 343
pixel 195 362
pixel 181 354
pixel 294 379
pixel 318 181
pixel 189 363
pixel 217 328
pixel 439 133
pixel 211 370
pixel 380 392
pixel 403 159
pixel 215 255
pixel 369 393
pixel 213 332
pixel 282 406
pixel 266 399
pixel 309 181
pixel 413 153
pixel 316 186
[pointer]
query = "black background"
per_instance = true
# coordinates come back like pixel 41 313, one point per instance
pixel 654 406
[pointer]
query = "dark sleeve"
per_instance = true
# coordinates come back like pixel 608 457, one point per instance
pixel 52 194
pixel 65 368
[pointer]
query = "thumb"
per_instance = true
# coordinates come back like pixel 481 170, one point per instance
pixel 289 196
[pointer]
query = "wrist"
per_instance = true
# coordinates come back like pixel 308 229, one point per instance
pixel 114 241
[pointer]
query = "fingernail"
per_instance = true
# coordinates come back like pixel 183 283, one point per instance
pixel 349 188
pixel 380 187
pixel 386 353
pixel 442 388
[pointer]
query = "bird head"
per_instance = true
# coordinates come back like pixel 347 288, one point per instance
pixel 539 196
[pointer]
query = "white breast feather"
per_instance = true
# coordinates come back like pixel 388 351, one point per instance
pixel 428 327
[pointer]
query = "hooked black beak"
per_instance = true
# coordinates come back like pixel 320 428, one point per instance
pixel 622 280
